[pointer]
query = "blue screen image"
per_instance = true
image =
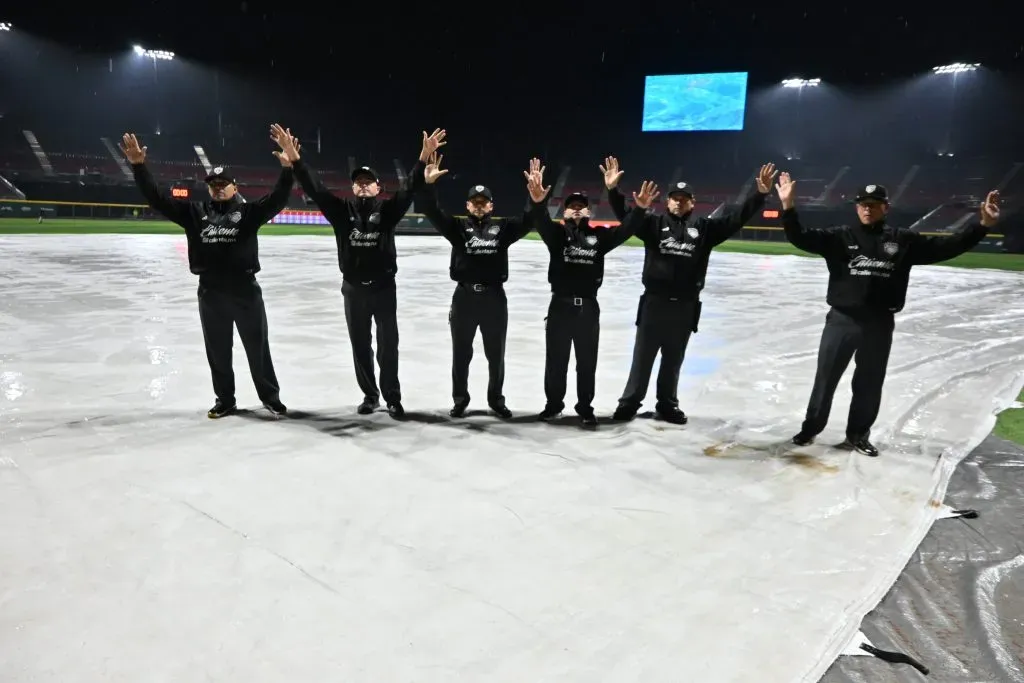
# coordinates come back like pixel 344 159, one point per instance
pixel 695 102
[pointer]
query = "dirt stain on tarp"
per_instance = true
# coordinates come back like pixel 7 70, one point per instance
pixel 810 462
pixel 803 460
pixel 716 449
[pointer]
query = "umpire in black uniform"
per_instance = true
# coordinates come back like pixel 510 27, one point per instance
pixel 479 265
pixel 575 272
pixel 869 269
pixel 364 229
pixel 223 252
pixel 677 248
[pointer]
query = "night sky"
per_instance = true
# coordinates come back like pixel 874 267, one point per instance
pixel 560 80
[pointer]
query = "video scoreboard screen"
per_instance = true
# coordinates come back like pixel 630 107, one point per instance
pixel 695 102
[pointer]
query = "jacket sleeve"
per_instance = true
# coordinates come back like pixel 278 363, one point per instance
pixel 812 240
pixel 334 208
pixel 540 220
pixel 442 221
pixel 925 249
pixel 645 228
pixel 721 229
pixel 395 207
pixel 635 220
pixel 516 228
pixel 269 205
pixel 174 210
pixel 617 200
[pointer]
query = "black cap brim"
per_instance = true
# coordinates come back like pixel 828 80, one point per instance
pixel 367 171
pixel 576 197
pixel 223 177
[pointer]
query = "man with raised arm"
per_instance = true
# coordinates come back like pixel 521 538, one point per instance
pixel 479 264
pixel 364 230
pixel 222 250
pixel 677 249
pixel 575 271
pixel 869 266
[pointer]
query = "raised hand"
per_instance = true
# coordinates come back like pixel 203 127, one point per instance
pixel 131 150
pixel 433 169
pixel 765 177
pixel 648 193
pixel 285 158
pixel 535 181
pixel 785 188
pixel 990 209
pixel 611 172
pixel 288 143
pixel 431 143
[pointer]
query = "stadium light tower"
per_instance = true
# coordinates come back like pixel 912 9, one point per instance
pixel 801 83
pixel 5 26
pixel 957 68
pixel 153 54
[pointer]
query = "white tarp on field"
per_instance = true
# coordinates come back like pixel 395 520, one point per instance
pixel 142 542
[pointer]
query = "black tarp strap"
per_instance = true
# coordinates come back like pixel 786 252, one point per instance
pixel 894 657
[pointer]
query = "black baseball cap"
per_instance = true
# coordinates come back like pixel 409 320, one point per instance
pixel 680 188
pixel 365 170
pixel 480 191
pixel 221 173
pixel 873 193
pixel 576 197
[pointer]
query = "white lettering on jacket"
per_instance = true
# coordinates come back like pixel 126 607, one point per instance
pixel 865 266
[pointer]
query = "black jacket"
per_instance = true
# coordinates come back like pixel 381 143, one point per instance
pixel 479 245
pixel 869 265
pixel 364 229
pixel 577 250
pixel 677 248
pixel 221 235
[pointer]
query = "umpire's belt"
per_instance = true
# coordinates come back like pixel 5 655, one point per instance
pixel 480 288
pixel 574 300
pixel 378 283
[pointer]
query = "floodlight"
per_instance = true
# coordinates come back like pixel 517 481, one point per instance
pixel 801 83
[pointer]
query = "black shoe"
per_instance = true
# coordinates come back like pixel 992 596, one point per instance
pixel 803 439
pixel 861 446
pixel 396 410
pixel 275 407
pixel 367 407
pixel 624 413
pixel 672 414
pixel 501 411
pixel 549 413
pixel 588 419
pixel 220 409
pixel 458 411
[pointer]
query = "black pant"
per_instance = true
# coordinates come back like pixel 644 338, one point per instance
pixel 663 324
pixel 223 305
pixel 867 339
pixel 364 305
pixel 571 322
pixel 486 307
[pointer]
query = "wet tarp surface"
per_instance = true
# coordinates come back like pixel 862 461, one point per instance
pixel 334 546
